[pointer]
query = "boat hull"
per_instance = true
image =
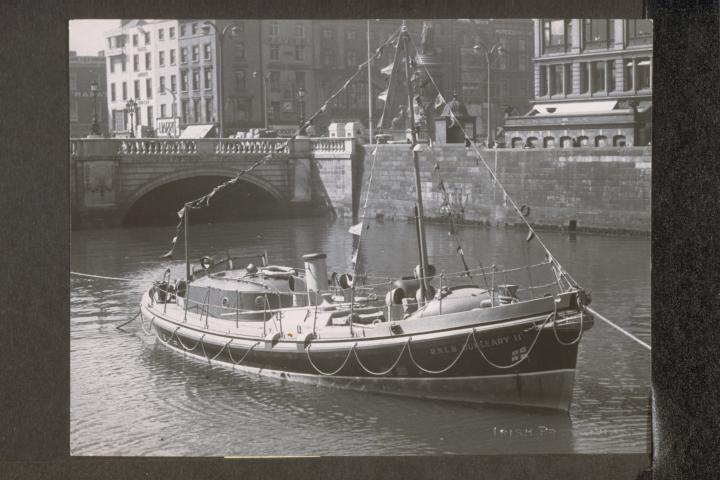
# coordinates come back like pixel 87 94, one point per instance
pixel 518 363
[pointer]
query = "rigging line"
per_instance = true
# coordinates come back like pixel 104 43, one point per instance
pixel 494 177
pixel 87 275
pixel 389 86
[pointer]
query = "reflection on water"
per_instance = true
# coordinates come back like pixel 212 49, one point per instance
pixel 130 396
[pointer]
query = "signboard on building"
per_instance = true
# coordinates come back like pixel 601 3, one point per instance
pixel 168 127
pixel 284 131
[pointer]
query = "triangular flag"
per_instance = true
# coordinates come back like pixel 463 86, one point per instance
pixel 439 100
pixel 530 236
pixel 356 229
pixel 181 212
pixel 383 96
pixel 387 70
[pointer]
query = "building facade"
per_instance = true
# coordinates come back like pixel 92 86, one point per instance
pixel 84 103
pixel 282 70
pixel 592 85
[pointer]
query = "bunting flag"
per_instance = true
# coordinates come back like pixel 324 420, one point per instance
pixel 387 70
pixel 383 96
pixel 439 101
pixel 530 236
pixel 356 229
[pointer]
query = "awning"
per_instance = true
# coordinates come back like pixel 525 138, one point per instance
pixel 196 131
pixel 574 108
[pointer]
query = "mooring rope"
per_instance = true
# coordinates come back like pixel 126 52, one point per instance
pixel 617 327
pixel 103 277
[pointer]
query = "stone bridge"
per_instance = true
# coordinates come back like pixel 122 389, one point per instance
pixel 108 177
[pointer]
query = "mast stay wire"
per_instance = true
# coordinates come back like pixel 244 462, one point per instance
pixel 468 141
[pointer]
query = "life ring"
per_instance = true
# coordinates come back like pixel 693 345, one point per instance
pixel 345 281
pixel 525 210
pixel 275 271
pixel 206 262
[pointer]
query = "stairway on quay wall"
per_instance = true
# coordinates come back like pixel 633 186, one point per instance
pixel 599 189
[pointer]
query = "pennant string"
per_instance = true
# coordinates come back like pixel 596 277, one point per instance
pixel 470 142
pixel 204 201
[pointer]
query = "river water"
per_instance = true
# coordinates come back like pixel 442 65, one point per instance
pixel 130 396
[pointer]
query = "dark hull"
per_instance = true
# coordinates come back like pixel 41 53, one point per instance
pixel 473 365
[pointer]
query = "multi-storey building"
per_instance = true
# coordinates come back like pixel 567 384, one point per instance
pixel 84 70
pixel 284 69
pixel 593 85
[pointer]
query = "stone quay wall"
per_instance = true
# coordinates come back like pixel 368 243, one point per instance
pixel 600 189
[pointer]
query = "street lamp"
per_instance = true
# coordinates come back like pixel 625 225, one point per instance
pixel 220 36
pixel 130 109
pixel 490 54
pixel 95 129
pixel 301 101
pixel 266 82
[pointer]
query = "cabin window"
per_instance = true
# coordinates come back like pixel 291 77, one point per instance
pixel 619 141
pixel 601 141
pixel 583 141
pixel 566 142
pixel 549 142
pixel 517 142
pixel 532 142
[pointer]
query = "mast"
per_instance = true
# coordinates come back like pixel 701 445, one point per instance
pixel 370 94
pixel 187 259
pixel 422 247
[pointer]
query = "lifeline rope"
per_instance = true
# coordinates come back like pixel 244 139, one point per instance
pixel 244 356
pixel 307 350
pixel 87 275
pixel 462 350
pixel 385 372
pixel 468 142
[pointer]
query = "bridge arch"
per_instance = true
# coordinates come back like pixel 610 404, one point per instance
pixel 187 174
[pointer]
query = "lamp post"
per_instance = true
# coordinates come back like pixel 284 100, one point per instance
pixel 95 129
pixel 265 82
pixel 490 54
pixel 220 36
pixel 130 109
pixel 301 101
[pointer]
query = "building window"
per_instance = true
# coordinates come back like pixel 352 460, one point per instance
pixel 611 76
pixel 275 80
pixel 147 38
pixel 172 57
pixel 136 63
pixel 124 90
pixel 351 58
pixel 148 65
pixel 196 109
pixel 556 35
pixel 274 29
pixel 598 33
pixel 161 58
pixel 628 75
pixel 567 72
pixel 598 76
pixel 208 109
pixel 522 45
pixel 299 30
pixel 195 53
pixel 542 81
pixel 148 87
pixel 240 80
pixel 183 55
pixel 124 64
pixel 161 34
pixel 194 28
pixel 135 40
pixel 112 65
pixel 206 51
pixel 112 92
pixel 196 80
pixel 584 79
pixel 522 62
pixel 239 50
pixel 274 52
pixel 136 88
pixel 184 81
pixel 162 84
pixel 182 32
pixel 171 32
pixel 556 79
pixel 299 53
pixel 162 110
pixel 644 74
pixel 208 78
pixel 149 110
pixel 639 31
pixel 184 111
pixel 173 83
pixel 299 79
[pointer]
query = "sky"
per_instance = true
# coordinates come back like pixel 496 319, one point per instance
pixel 86 36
